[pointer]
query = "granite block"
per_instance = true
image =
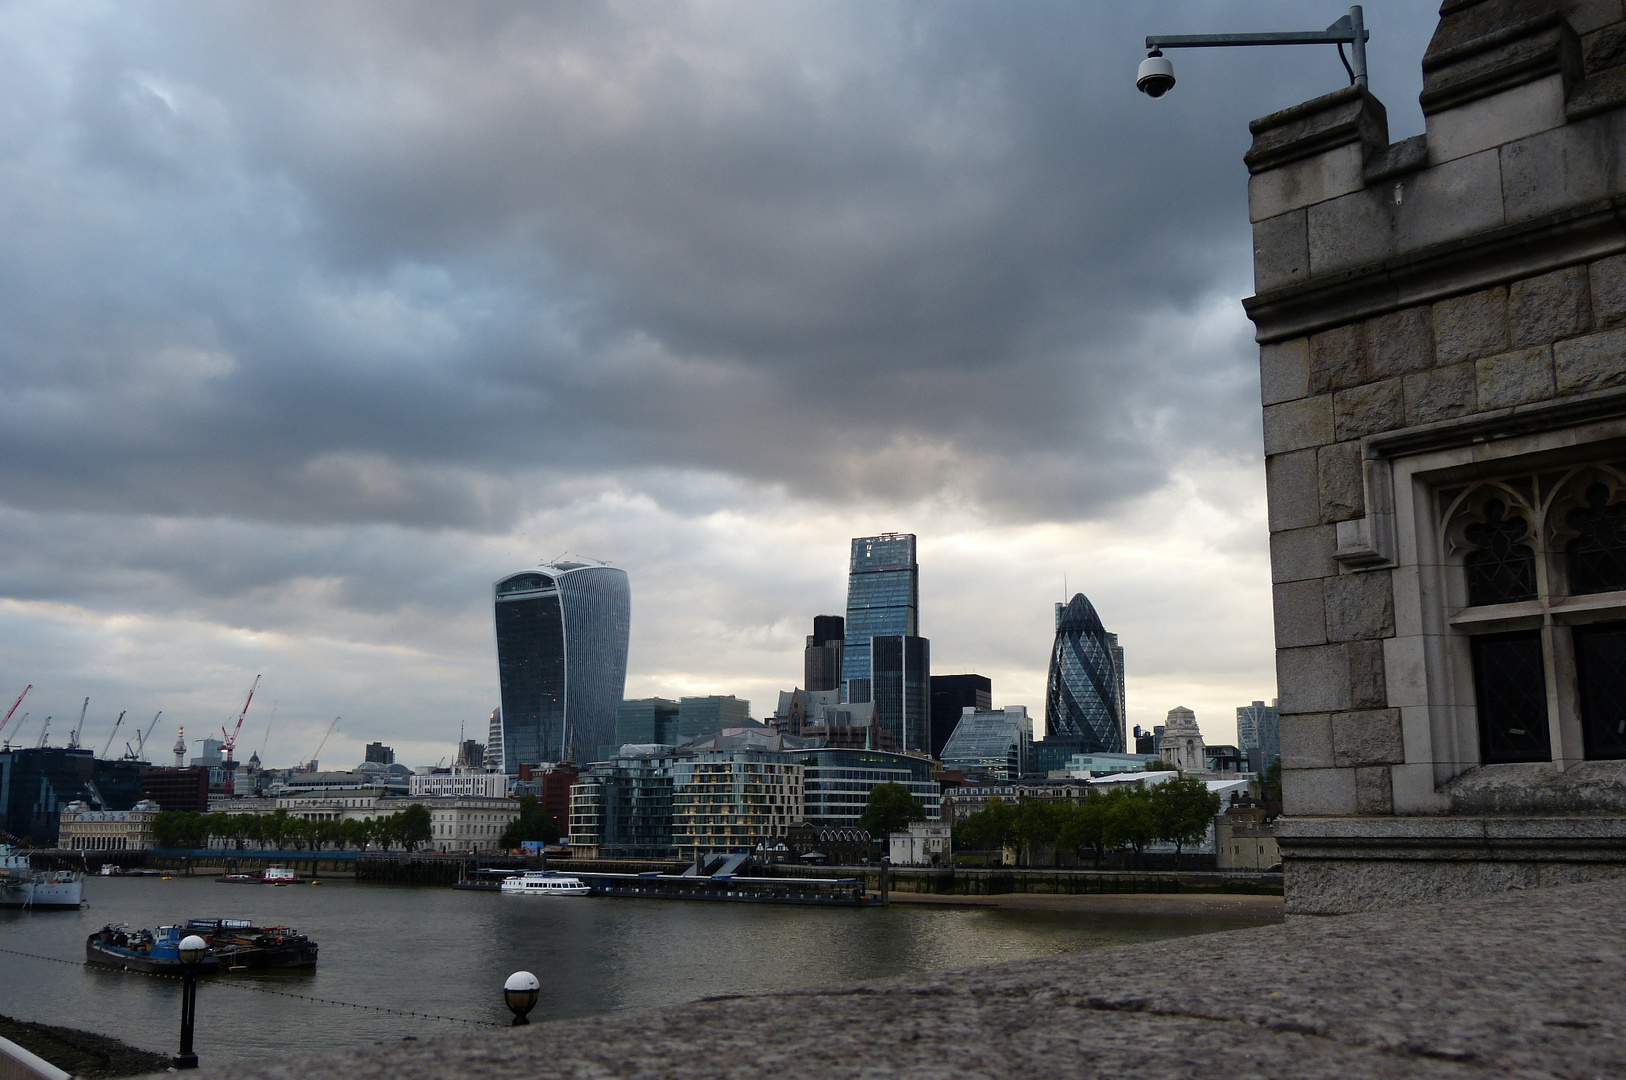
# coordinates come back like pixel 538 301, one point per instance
pixel 1591 362
pixel 1342 487
pixel 1440 393
pixel 1360 607
pixel 1472 326
pixel 1515 378
pixel 1542 309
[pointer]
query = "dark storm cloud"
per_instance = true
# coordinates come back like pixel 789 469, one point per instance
pixel 370 263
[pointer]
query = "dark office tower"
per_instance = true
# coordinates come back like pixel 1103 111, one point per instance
pixel 1117 651
pixel 901 687
pixel 951 696
pixel 1083 701
pixel 381 754
pixel 561 660
pixel 646 721
pixel 883 598
pixel 821 664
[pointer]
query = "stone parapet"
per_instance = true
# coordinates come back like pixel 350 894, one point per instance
pixel 1523 984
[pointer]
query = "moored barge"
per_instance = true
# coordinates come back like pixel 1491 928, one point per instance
pixel 233 945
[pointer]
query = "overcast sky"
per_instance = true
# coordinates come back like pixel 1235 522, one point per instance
pixel 317 318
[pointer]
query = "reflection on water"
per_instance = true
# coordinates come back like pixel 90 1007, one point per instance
pixel 446 952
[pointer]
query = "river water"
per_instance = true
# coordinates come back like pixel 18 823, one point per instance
pixel 446 952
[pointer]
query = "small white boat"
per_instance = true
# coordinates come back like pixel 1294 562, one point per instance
pixel 279 875
pixel 22 886
pixel 544 883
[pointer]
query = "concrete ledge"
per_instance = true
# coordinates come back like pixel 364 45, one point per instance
pixel 19 1064
pixel 1523 984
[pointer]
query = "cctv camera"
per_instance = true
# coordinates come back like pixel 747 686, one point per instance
pixel 1156 76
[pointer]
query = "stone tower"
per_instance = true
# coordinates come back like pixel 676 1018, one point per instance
pixel 1182 742
pixel 1442 329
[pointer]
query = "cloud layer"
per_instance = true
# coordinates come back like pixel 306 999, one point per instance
pixel 316 318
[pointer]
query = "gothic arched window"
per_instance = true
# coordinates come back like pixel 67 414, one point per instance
pixel 1500 569
pixel 1597 557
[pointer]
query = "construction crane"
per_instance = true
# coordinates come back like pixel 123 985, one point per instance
pixel 44 731
pixel 13 708
pixel 267 736
pixel 323 743
pixel 17 731
pixel 141 740
pixel 231 740
pixel 106 745
pixel 73 736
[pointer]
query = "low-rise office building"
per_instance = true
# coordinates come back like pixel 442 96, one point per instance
pixel 967 799
pixel 469 822
pixel 992 744
pixel 459 781
pixel 83 828
pixel 837 783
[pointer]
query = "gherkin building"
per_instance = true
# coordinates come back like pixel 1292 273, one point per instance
pixel 1084 700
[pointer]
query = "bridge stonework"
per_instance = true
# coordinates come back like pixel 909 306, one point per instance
pixel 1442 329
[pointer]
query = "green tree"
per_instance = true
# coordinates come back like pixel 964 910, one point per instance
pixel 174 828
pixel 891 809
pixel 1157 766
pixel 415 827
pixel 274 828
pixel 1038 823
pixel 989 829
pixel 352 833
pixel 1084 828
pixel 1184 807
pixel 1270 782
pixel 534 823
pixel 1130 820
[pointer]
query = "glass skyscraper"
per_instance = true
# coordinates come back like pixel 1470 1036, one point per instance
pixel 1084 699
pixel 561 660
pixel 901 688
pixel 883 600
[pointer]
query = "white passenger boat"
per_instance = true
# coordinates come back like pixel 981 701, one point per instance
pixel 22 886
pixel 544 883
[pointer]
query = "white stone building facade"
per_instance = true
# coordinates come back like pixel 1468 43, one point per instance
pixel 1182 743
pixel 83 829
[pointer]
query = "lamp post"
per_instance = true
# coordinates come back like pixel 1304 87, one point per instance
pixel 1156 75
pixel 520 992
pixel 192 950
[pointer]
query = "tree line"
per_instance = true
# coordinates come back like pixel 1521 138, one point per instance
pixel 409 828
pixel 1125 817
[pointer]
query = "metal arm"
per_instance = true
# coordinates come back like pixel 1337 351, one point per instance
pixel 1349 30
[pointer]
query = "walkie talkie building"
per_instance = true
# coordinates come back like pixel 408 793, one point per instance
pixel 1084 700
pixel 561 660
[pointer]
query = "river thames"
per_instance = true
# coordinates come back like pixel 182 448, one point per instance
pixel 445 952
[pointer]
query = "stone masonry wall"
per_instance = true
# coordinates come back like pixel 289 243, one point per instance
pixel 1554 334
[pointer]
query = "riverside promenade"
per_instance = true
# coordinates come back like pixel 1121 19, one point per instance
pixel 1525 983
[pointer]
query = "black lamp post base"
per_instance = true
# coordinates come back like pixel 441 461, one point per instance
pixel 184 1061
pixel 519 1019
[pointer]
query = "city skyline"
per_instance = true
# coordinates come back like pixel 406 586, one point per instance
pixel 315 329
